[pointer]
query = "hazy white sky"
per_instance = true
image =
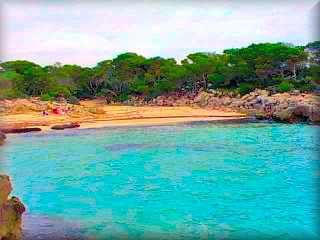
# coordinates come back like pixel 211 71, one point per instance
pixel 85 32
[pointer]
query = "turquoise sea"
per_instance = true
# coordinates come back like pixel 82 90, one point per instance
pixel 186 181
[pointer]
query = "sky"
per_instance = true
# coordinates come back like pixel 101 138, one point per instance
pixel 86 32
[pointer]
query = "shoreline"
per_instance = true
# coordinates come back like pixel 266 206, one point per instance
pixel 151 122
pixel 141 122
pixel 97 114
pixel 19 115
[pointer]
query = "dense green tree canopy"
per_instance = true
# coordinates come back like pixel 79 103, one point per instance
pixel 258 65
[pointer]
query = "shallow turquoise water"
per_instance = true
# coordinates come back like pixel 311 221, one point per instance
pixel 216 181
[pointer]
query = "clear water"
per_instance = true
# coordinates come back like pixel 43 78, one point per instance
pixel 216 181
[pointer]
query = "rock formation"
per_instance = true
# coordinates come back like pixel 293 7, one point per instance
pixel 10 212
pixel 20 129
pixel 283 107
pixel 2 138
pixel 65 126
pixel 287 107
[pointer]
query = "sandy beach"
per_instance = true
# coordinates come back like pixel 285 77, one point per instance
pixel 116 115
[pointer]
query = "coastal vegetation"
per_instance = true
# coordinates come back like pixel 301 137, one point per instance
pixel 278 67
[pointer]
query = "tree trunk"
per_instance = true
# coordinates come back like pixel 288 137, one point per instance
pixel 204 79
pixel 294 72
pixel 282 72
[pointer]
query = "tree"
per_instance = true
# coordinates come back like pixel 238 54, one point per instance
pixel 258 65
pixel 267 60
pixel 200 66
pixel 313 63
pixel 9 81
pixel 126 69
pixel 36 81
pixel 18 66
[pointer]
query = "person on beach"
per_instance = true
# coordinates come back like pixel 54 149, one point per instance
pixel 67 110
pixel 56 111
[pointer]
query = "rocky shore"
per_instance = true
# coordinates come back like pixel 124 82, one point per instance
pixel 34 104
pixel 2 138
pixel 290 107
pixel 11 211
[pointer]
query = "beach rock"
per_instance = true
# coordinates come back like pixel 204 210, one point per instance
pixel 181 102
pixel 65 126
pixel 20 130
pixel 260 115
pixel 60 99
pixel 11 211
pixel 202 97
pixel 5 188
pixel 285 115
pixel 315 115
pixel 73 100
pixel 263 93
pixel 2 138
pixel 294 92
pixel 237 103
pixel 299 113
pixel 231 94
pixel 97 110
pixel 282 106
pixel 303 111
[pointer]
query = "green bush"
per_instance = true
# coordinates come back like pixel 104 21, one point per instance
pixel 8 94
pixel 162 87
pixel 273 81
pixel 99 94
pixel 73 100
pixel 245 88
pixel 307 87
pixel 216 80
pixel 284 87
pixel 122 97
pixel 60 91
pixel 65 92
pixel 309 78
pixel 46 97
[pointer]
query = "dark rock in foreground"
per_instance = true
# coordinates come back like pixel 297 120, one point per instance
pixel 65 126
pixel 11 211
pixel 2 138
pixel 20 130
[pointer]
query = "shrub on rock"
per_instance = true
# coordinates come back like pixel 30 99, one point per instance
pixel 284 87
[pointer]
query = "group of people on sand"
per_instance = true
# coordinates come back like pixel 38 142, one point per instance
pixel 56 111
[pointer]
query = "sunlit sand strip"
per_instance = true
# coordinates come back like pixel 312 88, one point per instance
pixel 147 122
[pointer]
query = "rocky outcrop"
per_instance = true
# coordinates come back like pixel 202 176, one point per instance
pixel 285 115
pixel 315 115
pixel 97 110
pixel 35 105
pixel 283 107
pixel 263 104
pixel 2 138
pixel 299 113
pixel 65 126
pixel 11 211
